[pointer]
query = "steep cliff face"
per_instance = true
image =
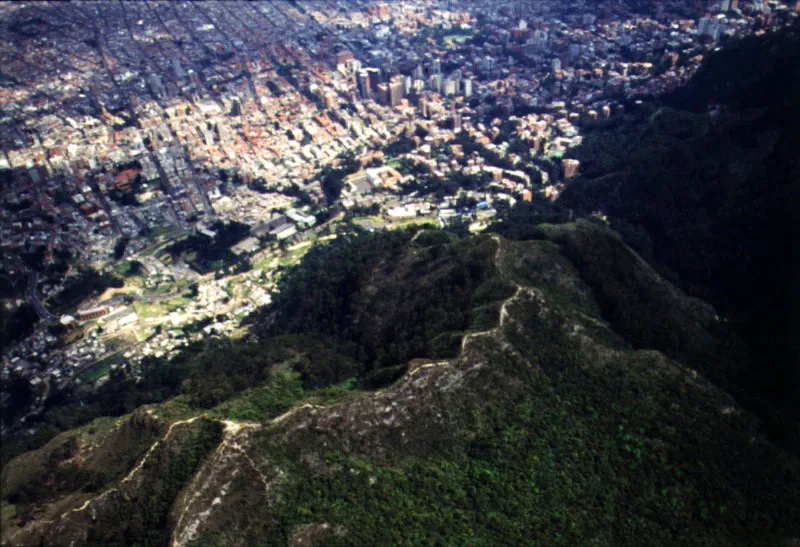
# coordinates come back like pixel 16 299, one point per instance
pixel 558 421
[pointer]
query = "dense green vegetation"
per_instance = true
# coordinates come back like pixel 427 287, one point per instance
pixel 129 268
pixel 578 460
pixel 647 313
pixel 276 394
pixel 19 394
pixel 358 291
pixel 549 446
pixel 205 374
pixel 16 323
pixel 86 284
pixel 42 476
pixel 711 199
pixel 554 442
pixel 205 254
pixel 581 421
pixel 119 248
pixel 398 147
pixel 146 522
pixel 332 178
pixel 322 325
pixel 316 295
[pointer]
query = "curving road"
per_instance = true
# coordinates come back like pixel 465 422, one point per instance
pixel 33 298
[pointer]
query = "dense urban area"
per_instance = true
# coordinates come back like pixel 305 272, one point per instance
pixel 163 163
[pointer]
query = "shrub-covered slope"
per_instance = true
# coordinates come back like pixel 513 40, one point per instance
pixel 552 420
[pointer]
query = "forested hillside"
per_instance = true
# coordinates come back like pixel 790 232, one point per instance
pixel 554 381
pixel 705 184
pixel 552 390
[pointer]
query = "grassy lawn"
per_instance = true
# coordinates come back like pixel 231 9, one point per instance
pixel 175 303
pixel 164 232
pixel 265 264
pixel 159 237
pixel 395 163
pixel 357 220
pixel 134 282
pixel 99 369
pixel 159 290
pixel 148 309
pixel 451 39
pixel 410 222
pixel 301 245
pixel 373 222
pixel 124 268
pixel 378 222
pixel 143 333
pixel 164 288
pixel 291 258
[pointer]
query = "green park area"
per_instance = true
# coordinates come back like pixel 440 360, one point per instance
pixel 396 163
pixel 293 256
pixel 377 222
pixel 99 369
pixel 456 39
pixel 413 221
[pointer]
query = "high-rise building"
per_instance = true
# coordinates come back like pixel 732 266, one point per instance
pixel 570 168
pixel 407 83
pixel 395 91
pixel 343 57
pixel 540 39
pixel 155 85
pixel 467 88
pixel 383 11
pixel 177 69
pixel 363 85
pixel 435 82
pixel 330 99
pixel 450 87
pixel 456 120
pixel 383 93
pixel 709 27
pixel 374 75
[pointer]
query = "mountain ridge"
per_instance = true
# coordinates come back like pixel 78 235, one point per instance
pixel 547 349
pixel 703 183
pixel 553 384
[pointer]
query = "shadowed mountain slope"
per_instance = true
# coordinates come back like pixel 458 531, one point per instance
pixel 551 421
